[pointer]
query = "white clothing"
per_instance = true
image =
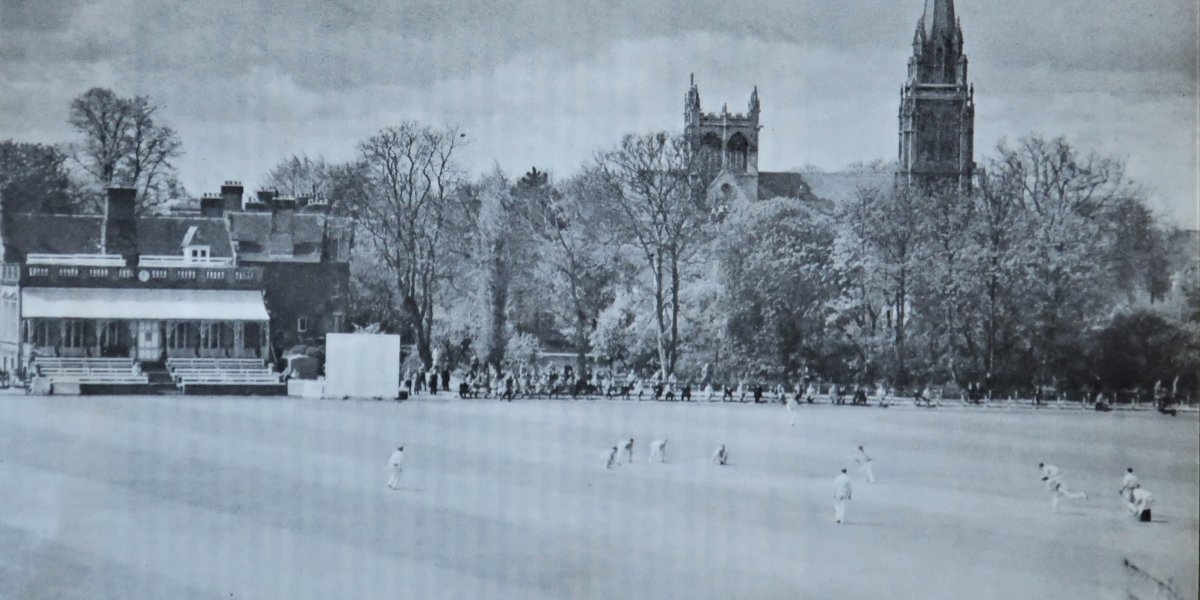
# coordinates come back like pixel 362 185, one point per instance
pixel 720 456
pixel 1128 485
pixel 865 465
pixel 1058 488
pixel 1142 500
pixel 842 487
pixel 841 493
pixel 394 463
pixel 1130 482
pixel 1050 474
pixel 658 448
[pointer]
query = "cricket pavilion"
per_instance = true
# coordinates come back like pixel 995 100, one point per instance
pixel 122 303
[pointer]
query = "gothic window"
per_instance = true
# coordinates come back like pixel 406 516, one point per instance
pixel 739 150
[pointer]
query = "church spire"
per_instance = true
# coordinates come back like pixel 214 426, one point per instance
pixel 937 106
pixel 939 19
pixel 938 46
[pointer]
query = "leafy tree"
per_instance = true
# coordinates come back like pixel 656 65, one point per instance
pixel 945 290
pixel 500 252
pixel 891 234
pixel 34 179
pixel 777 262
pixel 1062 197
pixel 574 257
pixel 1140 348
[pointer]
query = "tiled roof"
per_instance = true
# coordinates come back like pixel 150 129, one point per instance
pixel 50 234
pixel 163 236
pixel 826 190
pixel 81 234
pixel 285 235
pixel 781 185
pixel 840 188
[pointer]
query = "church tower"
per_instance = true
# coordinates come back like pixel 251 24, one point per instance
pixel 937 104
pixel 730 138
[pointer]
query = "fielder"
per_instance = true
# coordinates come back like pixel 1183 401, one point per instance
pixel 394 463
pixel 612 458
pixel 1140 504
pixel 791 408
pixel 864 461
pixel 658 448
pixel 841 493
pixel 627 446
pixel 720 457
pixel 1129 484
pixel 1058 489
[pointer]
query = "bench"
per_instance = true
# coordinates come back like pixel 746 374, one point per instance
pixel 89 370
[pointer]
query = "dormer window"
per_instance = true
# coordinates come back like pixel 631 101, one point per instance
pixel 192 250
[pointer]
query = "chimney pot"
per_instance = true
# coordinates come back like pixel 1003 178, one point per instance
pixel 231 196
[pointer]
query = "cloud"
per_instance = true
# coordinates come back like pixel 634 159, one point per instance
pixel 548 83
pixel 37 15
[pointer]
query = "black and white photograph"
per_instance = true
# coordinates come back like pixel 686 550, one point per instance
pixel 821 299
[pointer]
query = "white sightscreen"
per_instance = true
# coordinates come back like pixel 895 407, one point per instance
pixel 362 365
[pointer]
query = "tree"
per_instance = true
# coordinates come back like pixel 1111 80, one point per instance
pixel 572 244
pixel 945 291
pixel 34 179
pixel 657 184
pixel 777 262
pixel 1062 198
pixel 124 145
pixel 997 269
pixel 890 237
pixel 301 176
pixel 499 254
pixel 404 199
pixel 1139 348
pixel 860 309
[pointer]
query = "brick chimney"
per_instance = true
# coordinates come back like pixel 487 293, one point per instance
pixel 119 235
pixel 212 205
pixel 231 195
pixel 265 198
pixel 283 203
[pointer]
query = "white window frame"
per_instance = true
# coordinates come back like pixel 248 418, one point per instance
pixel 302 325
pixel 197 253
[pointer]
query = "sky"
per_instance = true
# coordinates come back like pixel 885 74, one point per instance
pixel 248 83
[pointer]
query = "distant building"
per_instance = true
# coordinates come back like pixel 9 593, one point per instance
pixel 937 128
pixel 937 104
pixel 224 279
pixel 730 140
pixel 304 254
pixel 118 285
